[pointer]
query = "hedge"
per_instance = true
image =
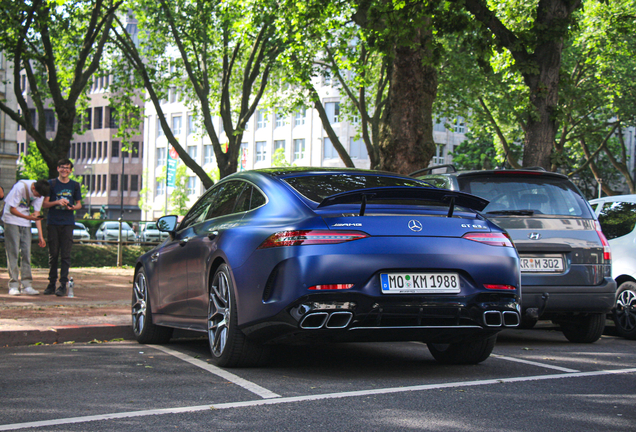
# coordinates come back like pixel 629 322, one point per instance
pixel 84 255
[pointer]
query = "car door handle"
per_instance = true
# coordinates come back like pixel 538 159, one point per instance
pixel 213 235
pixel 154 257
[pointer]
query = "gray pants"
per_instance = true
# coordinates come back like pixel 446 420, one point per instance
pixel 17 241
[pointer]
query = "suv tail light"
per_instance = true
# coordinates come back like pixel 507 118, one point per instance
pixel 607 251
pixel 493 239
pixel 310 237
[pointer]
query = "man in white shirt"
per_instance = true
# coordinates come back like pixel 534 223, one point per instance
pixel 22 205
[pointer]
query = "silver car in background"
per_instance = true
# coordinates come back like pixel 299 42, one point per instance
pixel 617 216
pixel 109 231
pixel 150 233
pixel 80 232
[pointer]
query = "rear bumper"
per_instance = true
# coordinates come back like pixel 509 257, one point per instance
pixel 355 317
pixel 569 299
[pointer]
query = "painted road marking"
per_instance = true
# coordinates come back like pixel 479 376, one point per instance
pixel 247 385
pixel 281 400
pixel 545 365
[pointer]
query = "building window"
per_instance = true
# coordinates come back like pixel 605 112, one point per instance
pixel 438 159
pixel 357 149
pixel 95 147
pixel 134 183
pixel 261 119
pixel 300 117
pixel 333 111
pixel 192 124
pixel 113 123
pixel 49 117
pixel 99 183
pixel 83 150
pixel 261 150
pixel 192 152
pixel 135 149
pixel 99 117
pixel 176 125
pixel 299 148
pixel 280 120
pixel 113 182
pixel 160 187
pixel 192 185
pixel 328 149
pixel 161 156
pixel 88 116
pixel 72 151
pixel 279 144
pixel 160 132
pixel 208 154
pixel 89 147
pixel 124 182
pixel 114 152
pixel 459 126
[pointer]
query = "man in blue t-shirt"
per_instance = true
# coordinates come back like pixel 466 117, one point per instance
pixel 65 198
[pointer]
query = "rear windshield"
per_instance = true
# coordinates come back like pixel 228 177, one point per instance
pixel 539 194
pixel 318 187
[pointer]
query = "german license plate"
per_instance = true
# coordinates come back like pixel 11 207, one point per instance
pixel 541 264
pixel 419 283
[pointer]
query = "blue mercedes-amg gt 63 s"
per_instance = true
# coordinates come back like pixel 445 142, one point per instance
pixel 301 255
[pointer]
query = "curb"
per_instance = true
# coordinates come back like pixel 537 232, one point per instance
pixel 69 333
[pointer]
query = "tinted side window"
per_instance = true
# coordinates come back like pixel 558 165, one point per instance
pixel 200 208
pixel 258 199
pixel 225 200
pixel 243 200
pixel 617 219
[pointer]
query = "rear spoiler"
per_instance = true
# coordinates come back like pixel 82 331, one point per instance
pixel 453 198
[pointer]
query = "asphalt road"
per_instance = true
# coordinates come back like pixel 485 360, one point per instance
pixel 534 381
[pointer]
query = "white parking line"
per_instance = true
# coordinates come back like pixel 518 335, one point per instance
pixel 247 385
pixel 545 365
pixel 281 400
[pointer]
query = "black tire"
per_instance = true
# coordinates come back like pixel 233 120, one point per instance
pixel 228 344
pixel 463 353
pixel 145 331
pixel 624 314
pixel 527 323
pixel 584 329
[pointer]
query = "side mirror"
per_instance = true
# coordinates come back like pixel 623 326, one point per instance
pixel 167 224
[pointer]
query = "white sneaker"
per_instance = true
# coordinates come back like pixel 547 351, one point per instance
pixel 14 291
pixel 30 291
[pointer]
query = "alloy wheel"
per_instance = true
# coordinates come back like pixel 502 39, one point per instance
pixel 626 310
pixel 139 312
pixel 219 313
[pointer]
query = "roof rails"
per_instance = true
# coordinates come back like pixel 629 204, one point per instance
pixel 450 168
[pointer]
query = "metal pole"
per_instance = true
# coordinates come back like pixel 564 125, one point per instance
pixel 600 187
pixel 119 246
pixel 121 187
pixel 90 186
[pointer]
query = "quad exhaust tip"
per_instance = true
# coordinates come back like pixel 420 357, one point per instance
pixel 494 318
pixel 334 320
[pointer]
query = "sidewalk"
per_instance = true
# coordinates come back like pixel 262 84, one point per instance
pixel 99 310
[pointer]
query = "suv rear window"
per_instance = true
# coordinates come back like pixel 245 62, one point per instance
pixel 318 187
pixel 540 194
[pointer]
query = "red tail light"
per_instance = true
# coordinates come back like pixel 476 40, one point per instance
pixel 493 239
pixel 607 251
pixel 331 287
pixel 499 287
pixel 311 237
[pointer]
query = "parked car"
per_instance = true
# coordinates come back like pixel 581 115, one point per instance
pixel 565 258
pixel 80 232
pixel 109 231
pixel 617 216
pixel 319 254
pixel 150 233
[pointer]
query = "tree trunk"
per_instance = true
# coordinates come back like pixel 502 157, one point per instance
pixel 406 132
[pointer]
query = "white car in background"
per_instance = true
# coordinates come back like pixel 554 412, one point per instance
pixel 80 232
pixel 617 216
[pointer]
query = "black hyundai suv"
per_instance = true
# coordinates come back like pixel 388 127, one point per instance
pixel 565 258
